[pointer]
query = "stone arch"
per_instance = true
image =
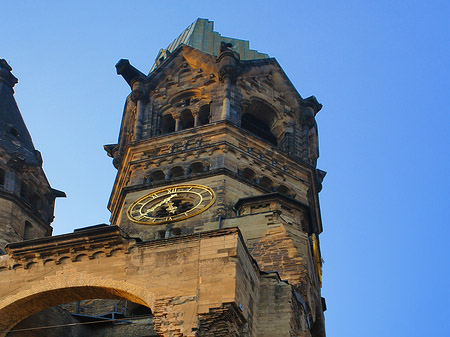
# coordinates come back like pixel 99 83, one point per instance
pixel 185 97
pixel 196 167
pixel 248 174
pixel 176 171
pixel 284 190
pixel 266 183
pixel 259 117
pixel 156 175
pixel 17 307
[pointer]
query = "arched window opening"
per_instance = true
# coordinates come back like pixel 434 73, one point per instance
pixel 283 190
pixel 157 175
pixel 258 118
pixel 2 177
pixel 204 115
pixel 28 231
pixel 266 182
pixel 167 124
pixel 248 174
pixel 187 119
pixel 196 167
pixel 176 171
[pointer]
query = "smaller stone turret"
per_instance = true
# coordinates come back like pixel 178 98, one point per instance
pixel 26 198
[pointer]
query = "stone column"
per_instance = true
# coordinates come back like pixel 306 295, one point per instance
pixel 195 113
pixel 139 96
pixel 177 123
pixel 228 73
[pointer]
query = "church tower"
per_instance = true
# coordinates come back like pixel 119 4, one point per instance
pixel 215 137
pixel 26 198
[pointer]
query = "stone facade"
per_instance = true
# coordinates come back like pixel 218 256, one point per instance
pixel 197 285
pixel 247 264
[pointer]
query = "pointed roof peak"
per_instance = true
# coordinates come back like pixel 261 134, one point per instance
pixel 14 136
pixel 201 35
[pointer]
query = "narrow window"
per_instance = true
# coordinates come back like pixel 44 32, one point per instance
pixel 167 124
pixel 2 177
pixel 204 115
pixel 28 231
pixel 187 119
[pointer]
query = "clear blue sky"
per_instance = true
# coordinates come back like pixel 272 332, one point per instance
pixel 381 70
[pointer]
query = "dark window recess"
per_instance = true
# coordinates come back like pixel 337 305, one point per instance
pixel 141 310
pixel 283 190
pixel 157 175
pixel 14 132
pixel 258 127
pixel 25 192
pixel 176 171
pixel 248 174
pixel 204 115
pixel 28 231
pixel 175 231
pixel 187 120
pixel 167 124
pixel 161 234
pixel 267 183
pixel 35 201
pixel 2 177
pixel 196 168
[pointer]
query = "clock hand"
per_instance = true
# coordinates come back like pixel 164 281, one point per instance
pixel 166 200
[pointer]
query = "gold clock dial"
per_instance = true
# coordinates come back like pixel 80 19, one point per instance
pixel 171 204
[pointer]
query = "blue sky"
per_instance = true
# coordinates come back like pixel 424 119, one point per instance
pixel 381 70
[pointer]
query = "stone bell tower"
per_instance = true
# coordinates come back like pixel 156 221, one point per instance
pixel 215 137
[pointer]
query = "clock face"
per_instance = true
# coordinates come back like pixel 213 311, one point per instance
pixel 171 204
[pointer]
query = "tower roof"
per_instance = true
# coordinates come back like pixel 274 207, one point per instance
pixel 200 35
pixel 14 136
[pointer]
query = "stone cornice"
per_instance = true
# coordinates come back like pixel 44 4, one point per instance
pixel 271 196
pixel 77 241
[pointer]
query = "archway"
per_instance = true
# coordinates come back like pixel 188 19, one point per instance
pixel 259 118
pixel 24 305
